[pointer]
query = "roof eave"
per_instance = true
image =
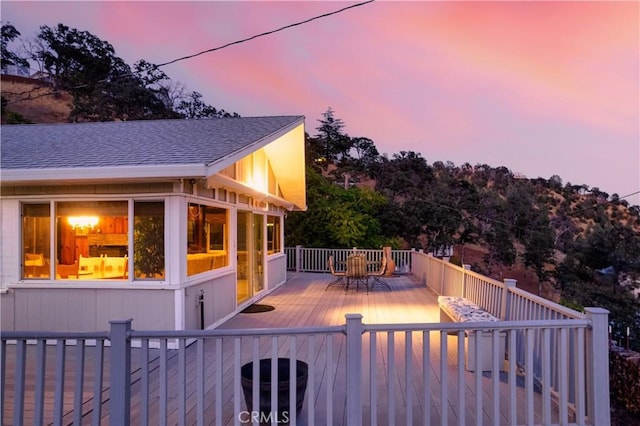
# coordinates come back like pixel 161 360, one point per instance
pixel 12 177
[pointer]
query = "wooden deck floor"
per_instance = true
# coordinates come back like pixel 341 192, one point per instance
pixel 305 301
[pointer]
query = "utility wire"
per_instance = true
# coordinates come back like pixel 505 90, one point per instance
pixel 80 86
pixel 265 33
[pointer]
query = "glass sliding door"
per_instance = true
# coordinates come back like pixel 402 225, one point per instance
pixel 244 245
pixel 250 255
pixel 258 253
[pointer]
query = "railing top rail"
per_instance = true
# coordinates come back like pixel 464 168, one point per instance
pixel 497 325
pixel 53 335
pixel 545 302
pixel 230 332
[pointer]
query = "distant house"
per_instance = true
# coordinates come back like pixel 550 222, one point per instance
pixel 177 224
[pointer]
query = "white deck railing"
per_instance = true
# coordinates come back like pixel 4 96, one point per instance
pixel 304 259
pixel 201 383
pixel 560 356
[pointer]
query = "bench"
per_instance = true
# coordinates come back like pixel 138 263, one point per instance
pixel 459 309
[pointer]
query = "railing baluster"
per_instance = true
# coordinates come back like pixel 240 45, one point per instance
pixel 498 358
pixel 444 380
pixel 3 377
pixel 529 391
pixel 293 379
pixel 513 414
pixel 373 379
pixel 479 342
pixel 546 376
pixel 462 387
pixel 200 380
pixel 58 400
pixel 274 373
pixel 218 365
pixel 426 377
pixel 564 377
pixel 330 378
pixel 182 382
pixel 408 375
pixel 311 384
pixel 41 357
pixel 391 403
pixel 237 357
pixel 21 364
pixel 98 380
pixel 580 379
pixel 144 382
pixel 255 375
pixel 79 384
pixel 162 406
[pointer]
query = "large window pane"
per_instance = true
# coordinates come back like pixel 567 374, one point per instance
pixel 92 240
pixel 148 236
pixel 36 241
pixel 273 235
pixel 207 238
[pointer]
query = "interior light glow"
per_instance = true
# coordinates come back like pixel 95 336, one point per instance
pixel 83 221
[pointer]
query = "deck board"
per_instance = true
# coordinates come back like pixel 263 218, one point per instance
pixel 306 301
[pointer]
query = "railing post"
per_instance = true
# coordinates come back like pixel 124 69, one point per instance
pixel 442 278
pixel 465 268
pixel 298 258
pixel 505 303
pixel 354 332
pixel 597 363
pixel 120 390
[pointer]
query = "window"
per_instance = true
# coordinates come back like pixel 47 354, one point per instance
pixel 91 240
pixel 273 234
pixel 36 241
pixel 207 238
pixel 148 240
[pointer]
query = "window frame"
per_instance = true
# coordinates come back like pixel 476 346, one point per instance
pixel 54 241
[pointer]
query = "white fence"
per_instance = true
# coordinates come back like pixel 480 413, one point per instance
pixel 357 374
pixel 304 259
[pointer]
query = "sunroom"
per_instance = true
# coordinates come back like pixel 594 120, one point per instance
pixel 175 223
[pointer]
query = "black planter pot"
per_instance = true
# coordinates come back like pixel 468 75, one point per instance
pixel 283 409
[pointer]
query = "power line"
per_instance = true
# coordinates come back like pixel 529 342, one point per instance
pixel 80 86
pixel 265 33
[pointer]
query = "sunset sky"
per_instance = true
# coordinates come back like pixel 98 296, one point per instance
pixel 542 88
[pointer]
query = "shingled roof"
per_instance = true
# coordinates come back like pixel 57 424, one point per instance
pixel 135 143
pixel 154 150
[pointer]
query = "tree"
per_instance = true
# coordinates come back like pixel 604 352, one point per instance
pixel 103 86
pixel 8 57
pixel 336 217
pixel 336 143
pixel 193 107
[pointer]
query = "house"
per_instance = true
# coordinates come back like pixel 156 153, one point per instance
pixel 176 224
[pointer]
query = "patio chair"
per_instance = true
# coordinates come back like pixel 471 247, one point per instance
pixel 379 273
pixel 338 276
pixel 357 271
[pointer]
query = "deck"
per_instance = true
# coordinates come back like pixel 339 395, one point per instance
pixel 304 301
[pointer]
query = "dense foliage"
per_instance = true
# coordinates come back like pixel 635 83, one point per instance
pixel 579 242
pixel 103 86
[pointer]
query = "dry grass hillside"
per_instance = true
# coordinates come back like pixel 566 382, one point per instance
pixel 32 99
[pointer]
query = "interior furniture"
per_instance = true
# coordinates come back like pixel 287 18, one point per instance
pixel 67 271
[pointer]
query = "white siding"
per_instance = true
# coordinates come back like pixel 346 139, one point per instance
pixel 10 242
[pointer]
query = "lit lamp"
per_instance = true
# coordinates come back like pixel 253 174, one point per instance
pixel 83 223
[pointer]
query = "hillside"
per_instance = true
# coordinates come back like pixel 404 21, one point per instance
pixel 32 100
